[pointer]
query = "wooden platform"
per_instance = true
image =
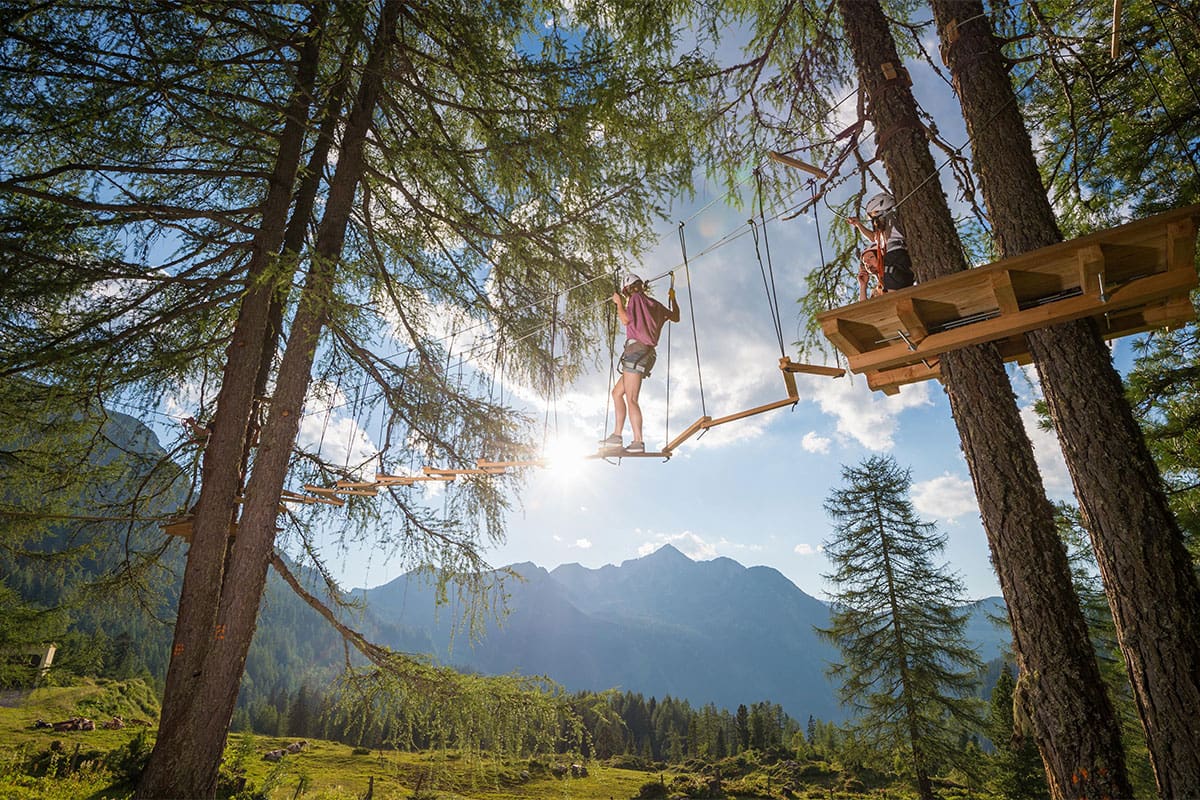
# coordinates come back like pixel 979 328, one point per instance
pixel 1131 279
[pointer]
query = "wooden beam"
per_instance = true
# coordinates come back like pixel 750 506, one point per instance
pixel 456 472
pixel 889 381
pixel 1091 269
pixel 910 317
pixel 1004 292
pixel 533 462
pixel 688 432
pixel 1174 312
pixel 1115 47
pixel 384 479
pixel 1181 245
pixel 797 163
pixel 811 369
pixel 712 423
pixel 1153 288
pixel 848 336
pixel 357 484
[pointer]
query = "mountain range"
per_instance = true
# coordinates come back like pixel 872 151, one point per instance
pixel 706 631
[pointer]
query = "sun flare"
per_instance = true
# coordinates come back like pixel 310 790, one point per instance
pixel 566 457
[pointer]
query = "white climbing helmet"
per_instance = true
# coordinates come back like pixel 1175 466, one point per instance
pixel 630 279
pixel 880 205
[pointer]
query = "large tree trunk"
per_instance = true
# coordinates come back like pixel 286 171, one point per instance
pixel 173 769
pixel 1072 718
pixel 1148 575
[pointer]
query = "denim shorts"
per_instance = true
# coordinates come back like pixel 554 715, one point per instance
pixel 638 357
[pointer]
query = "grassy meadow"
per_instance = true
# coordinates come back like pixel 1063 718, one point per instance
pixel 39 763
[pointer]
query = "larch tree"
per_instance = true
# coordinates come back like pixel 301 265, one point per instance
pixel 484 159
pixel 1148 573
pixel 898 619
pixel 1071 715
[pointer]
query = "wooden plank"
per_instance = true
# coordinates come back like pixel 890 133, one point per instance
pixel 407 480
pixel 1181 245
pixel 1154 288
pixel 308 487
pixel 1091 269
pixel 849 336
pixel 688 432
pixel 1131 251
pixel 797 163
pixel 357 484
pixel 665 455
pixel 910 317
pixel 814 369
pixel 1173 313
pixel 384 479
pixel 1004 292
pixel 358 492
pixel 533 462
pixel 465 471
pixel 712 423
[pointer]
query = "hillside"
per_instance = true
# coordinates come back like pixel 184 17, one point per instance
pixel 709 631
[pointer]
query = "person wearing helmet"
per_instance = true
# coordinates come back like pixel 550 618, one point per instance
pixel 870 273
pixel 887 237
pixel 643 318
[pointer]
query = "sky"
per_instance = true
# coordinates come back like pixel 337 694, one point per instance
pixel 752 490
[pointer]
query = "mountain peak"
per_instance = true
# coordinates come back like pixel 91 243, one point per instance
pixel 668 553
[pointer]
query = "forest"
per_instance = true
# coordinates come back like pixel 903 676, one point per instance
pixel 224 223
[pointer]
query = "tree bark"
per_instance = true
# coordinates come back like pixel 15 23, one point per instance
pixel 1147 573
pixel 175 769
pixel 1072 718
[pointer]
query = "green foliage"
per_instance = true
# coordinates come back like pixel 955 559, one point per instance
pixel 1017 766
pixel 1164 389
pixel 1117 133
pixel 127 762
pixel 898 622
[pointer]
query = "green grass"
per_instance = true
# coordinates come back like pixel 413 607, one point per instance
pixel 323 771
pixel 82 765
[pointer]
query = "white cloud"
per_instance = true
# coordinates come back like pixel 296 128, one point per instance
pixel 868 417
pixel 806 549
pixel 691 545
pixel 814 443
pixel 583 544
pixel 946 497
pixel 1049 457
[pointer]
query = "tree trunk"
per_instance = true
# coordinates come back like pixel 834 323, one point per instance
pixel 1148 576
pixel 1072 718
pixel 173 769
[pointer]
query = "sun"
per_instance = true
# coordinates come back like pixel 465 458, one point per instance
pixel 565 457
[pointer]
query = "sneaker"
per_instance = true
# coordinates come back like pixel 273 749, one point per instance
pixel 635 448
pixel 611 441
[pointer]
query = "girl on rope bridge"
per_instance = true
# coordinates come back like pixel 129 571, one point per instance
pixel 643 318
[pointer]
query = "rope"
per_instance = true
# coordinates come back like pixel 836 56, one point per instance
pixel 550 380
pixel 667 415
pixel 611 323
pixel 692 311
pixel 772 294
